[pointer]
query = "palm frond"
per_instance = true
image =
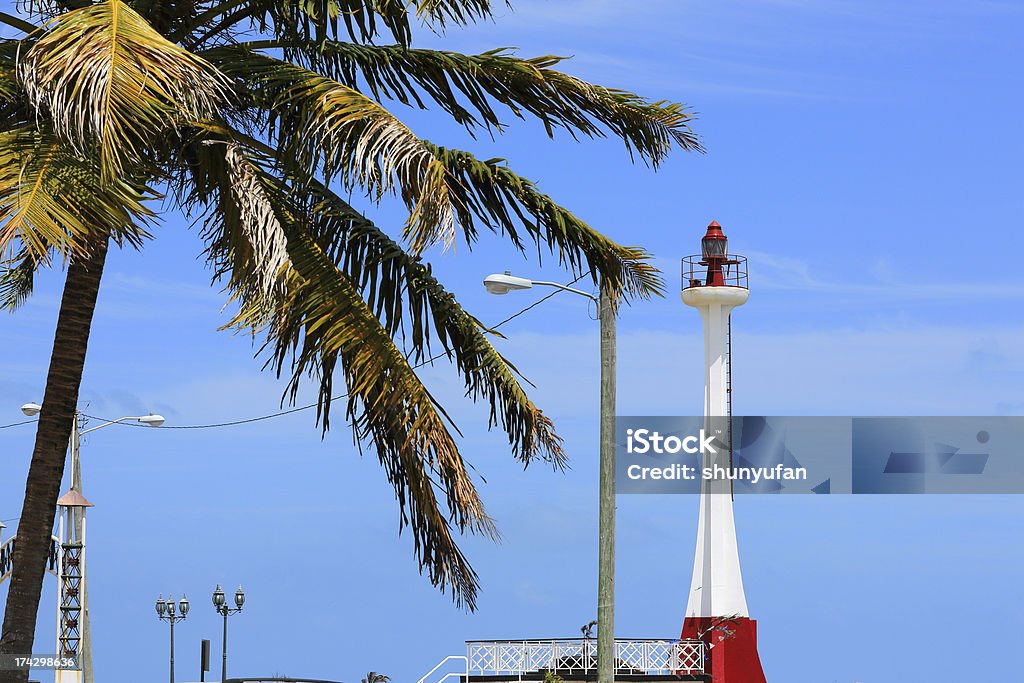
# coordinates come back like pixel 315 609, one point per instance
pixel 15 110
pixel 111 84
pixel 400 289
pixel 259 222
pixel 17 23
pixel 318 122
pixel 52 200
pixel 315 21
pixel 490 194
pixel 17 279
pixel 316 321
pixel 10 89
pixel 440 13
pixel 413 305
pixel 329 323
pixel 41 11
pixel 525 86
pixel 466 85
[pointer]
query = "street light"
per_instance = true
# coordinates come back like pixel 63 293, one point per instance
pixel 220 604
pixel 165 611
pixel 506 282
pixel 32 409
pixel 502 284
pixel 151 420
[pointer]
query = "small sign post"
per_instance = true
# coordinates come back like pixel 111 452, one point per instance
pixel 205 659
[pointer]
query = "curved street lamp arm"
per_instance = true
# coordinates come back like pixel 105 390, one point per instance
pixel 568 289
pixel 107 424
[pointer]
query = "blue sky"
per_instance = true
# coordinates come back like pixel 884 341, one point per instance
pixel 864 155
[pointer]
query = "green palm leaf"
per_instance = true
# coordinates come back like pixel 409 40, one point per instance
pixel 410 302
pixel 490 194
pixel 525 86
pixel 111 84
pixel 314 21
pixel 318 122
pixel 400 289
pixel 51 199
pixel 529 86
pixel 17 278
pixel 316 321
pixel 10 89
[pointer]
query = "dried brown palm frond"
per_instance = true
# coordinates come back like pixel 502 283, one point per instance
pixel 110 84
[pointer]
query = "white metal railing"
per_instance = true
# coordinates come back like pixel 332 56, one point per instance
pixel 449 658
pixel 574 656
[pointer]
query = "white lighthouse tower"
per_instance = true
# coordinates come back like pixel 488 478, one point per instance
pixel 715 283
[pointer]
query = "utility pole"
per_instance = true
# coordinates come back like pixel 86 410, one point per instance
pixel 78 517
pixel 607 305
pixel 606 508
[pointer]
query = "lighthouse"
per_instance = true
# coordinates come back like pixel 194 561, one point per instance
pixel 715 283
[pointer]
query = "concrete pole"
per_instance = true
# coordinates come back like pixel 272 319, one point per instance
pixel 85 646
pixel 606 512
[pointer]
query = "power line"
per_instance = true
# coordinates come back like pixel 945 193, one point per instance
pixel 282 413
pixel 16 424
pixel 536 303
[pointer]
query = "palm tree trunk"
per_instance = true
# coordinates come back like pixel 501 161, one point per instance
pixel 63 380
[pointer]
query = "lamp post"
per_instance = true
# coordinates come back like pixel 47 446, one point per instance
pixel 504 283
pixel 165 610
pixel 78 518
pixel 220 604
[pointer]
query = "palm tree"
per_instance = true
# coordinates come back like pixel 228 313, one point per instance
pixel 254 117
pixel 375 677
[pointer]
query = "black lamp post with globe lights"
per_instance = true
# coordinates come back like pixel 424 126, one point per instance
pixel 220 604
pixel 166 612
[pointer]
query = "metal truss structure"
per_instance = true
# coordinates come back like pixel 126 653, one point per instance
pixel 70 634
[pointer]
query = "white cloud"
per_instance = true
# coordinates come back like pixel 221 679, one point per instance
pixel 787 273
pixel 896 371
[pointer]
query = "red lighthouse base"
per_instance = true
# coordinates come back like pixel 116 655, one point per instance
pixel 732 647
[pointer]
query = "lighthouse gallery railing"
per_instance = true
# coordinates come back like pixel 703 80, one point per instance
pixel 734 271
pixel 579 655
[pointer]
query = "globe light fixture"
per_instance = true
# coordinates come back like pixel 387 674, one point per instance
pixel 220 604
pixel 165 610
pixel 218 597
